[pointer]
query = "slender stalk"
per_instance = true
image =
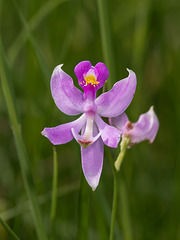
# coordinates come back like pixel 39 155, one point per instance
pixel 114 207
pixel 9 230
pixel 109 60
pixel 115 195
pixel 83 210
pixel 123 147
pixel 126 223
pixel 54 189
pixel 21 149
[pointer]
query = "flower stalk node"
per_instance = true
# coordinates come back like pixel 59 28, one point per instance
pixel 123 147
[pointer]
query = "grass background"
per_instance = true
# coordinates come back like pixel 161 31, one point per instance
pixel 37 36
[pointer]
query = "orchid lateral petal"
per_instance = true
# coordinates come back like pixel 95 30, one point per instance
pixel 67 97
pixel 62 133
pixel 92 161
pixel 145 128
pixel 115 102
pixel 110 135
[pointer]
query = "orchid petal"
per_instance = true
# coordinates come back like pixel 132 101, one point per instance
pixel 110 135
pixel 99 72
pixel 145 128
pixel 80 69
pixel 67 97
pixel 115 102
pixel 62 133
pixel 92 161
pixel 119 122
pixel 103 74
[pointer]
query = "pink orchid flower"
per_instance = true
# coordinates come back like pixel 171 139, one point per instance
pixel 94 131
pixel 145 128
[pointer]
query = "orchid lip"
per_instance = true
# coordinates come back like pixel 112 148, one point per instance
pixel 84 143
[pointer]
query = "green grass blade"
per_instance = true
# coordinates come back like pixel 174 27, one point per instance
pixel 15 48
pixel 42 199
pixel 9 230
pixel 106 40
pixel 42 63
pixel 21 149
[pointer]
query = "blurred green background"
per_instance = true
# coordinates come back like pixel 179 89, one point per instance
pixel 37 36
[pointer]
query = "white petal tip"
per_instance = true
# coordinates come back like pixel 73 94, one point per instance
pixel 44 133
pixel 60 65
pixel 57 69
pixel 93 185
pixel 151 108
pixel 130 71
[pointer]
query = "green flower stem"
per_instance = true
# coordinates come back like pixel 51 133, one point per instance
pixel 55 184
pixel 115 195
pixel 123 147
pixel 106 40
pixel 54 189
pixel 83 210
pixel 114 207
pixel 21 150
pixel 109 60
pixel 125 217
pixel 9 230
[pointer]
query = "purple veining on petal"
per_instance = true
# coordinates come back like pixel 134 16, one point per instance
pixel 62 133
pixel 115 102
pixel 67 97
